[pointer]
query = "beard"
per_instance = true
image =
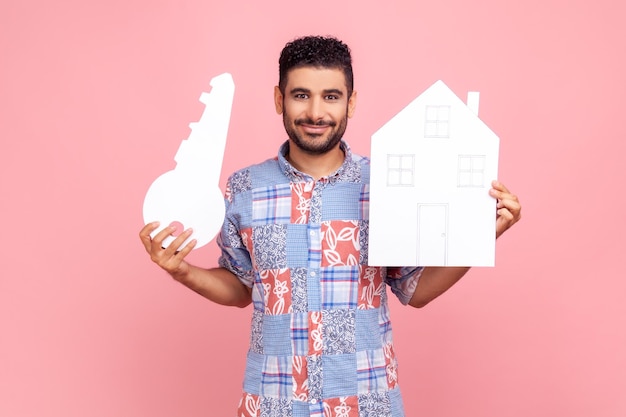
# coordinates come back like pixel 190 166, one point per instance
pixel 315 144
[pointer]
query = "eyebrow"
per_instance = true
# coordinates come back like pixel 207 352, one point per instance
pixel 298 90
pixel 333 91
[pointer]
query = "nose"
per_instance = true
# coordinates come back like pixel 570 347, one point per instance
pixel 315 110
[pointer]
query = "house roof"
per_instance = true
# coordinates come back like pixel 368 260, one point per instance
pixel 438 94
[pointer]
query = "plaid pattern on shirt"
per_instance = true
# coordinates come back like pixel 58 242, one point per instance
pixel 321 342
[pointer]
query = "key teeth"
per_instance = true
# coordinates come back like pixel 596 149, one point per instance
pixel 225 81
pixel 205 97
pixel 222 79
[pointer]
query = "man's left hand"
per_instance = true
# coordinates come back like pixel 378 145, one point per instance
pixel 509 209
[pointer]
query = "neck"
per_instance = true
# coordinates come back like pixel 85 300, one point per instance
pixel 317 166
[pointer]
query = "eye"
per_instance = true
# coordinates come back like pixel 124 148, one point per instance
pixel 331 97
pixel 301 96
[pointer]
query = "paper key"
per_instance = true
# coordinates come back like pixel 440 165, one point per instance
pixel 189 195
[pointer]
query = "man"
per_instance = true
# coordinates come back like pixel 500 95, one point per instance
pixel 294 243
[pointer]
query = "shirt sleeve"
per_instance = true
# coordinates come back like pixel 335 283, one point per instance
pixel 237 261
pixel 403 281
pixel 235 255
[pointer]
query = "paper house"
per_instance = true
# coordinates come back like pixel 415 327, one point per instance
pixel 431 170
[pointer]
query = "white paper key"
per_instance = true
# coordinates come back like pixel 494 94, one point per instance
pixel 189 195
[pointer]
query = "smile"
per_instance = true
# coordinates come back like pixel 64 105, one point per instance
pixel 312 128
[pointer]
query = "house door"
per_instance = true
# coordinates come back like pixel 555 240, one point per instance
pixel 432 234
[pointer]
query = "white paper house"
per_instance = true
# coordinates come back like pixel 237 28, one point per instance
pixel 431 170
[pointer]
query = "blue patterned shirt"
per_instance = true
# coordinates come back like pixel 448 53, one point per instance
pixel 321 340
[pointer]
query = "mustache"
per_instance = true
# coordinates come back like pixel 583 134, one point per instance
pixel 313 123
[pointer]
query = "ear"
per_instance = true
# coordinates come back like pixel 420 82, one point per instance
pixel 352 104
pixel 278 100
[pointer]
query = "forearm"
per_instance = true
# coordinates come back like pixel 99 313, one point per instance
pixel 218 285
pixel 433 282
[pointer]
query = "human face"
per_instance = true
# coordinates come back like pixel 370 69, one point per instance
pixel 315 108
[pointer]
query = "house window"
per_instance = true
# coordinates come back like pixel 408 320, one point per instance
pixel 400 170
pixel 471 172
pixel 437 122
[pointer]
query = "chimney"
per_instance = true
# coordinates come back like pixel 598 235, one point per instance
pixel 472 101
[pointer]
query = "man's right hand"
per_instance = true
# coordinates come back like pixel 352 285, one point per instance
pixel 172 258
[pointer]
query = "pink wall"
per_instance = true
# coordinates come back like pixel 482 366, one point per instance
pixel 96 96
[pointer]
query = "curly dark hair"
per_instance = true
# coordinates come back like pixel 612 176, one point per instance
pixel 315 51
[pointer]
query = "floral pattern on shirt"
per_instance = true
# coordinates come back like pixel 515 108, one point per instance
pixel 371 287
pixel 364 231
pixel 338 331
pixel 256 332
pixel 375 404
pixel 341 407
pixel 300 378
pixel 276 290
pixel 248 406
pixel 314 370
pixel 275 407
pixel 298 290
pixel 301 202
pixel 238 182
pixel 316 342
pixel 340 243
pixel 391 364
pixel 270 243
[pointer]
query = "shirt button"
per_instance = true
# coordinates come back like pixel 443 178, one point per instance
pixel 312 233
pixel 313 401
pixel 312 273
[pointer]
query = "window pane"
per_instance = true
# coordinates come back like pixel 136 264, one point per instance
pixel 407 177
pixel 464 179
pixel 464 163
pixel 393 177
pixel 443 130
pixel 431 113
pixel 477 179
pixel 478 163
pixel 430 129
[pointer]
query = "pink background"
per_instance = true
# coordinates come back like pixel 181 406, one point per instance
pixel 96 96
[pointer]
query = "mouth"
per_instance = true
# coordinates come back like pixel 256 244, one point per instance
pixel 314 128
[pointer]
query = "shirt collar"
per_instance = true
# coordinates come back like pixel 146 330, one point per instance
pixel 294 175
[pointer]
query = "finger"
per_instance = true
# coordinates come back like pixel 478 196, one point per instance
pixel 174 247
pixel 147 229
pixel 504 220
pixel 500 195
pixel 497 185
pixel 511 202
pixel 181 254
pixel 505 214
pixel 144 234
pixel 503 196
pixel 157 240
